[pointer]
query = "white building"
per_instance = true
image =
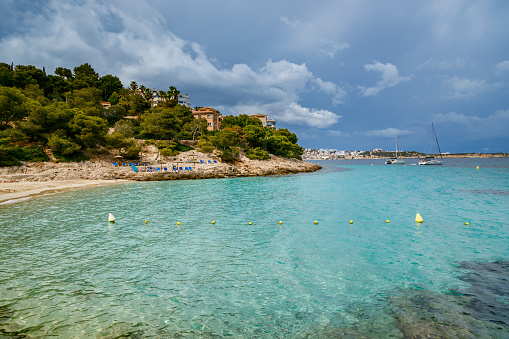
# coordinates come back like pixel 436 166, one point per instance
pixel 184 100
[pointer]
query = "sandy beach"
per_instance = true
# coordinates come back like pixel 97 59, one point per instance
pixel 16 191
pixel 36 179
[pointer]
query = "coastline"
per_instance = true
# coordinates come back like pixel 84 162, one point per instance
pixel 36 179
pixel 12 192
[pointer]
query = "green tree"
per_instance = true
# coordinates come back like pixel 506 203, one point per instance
pixel 109 84
pixel 6 75
pixel 161 124
pixel 60 143
pixel 25 75
pixel 280 145
pixel 114 98
pixel 85 76
pixel 228 137
pixel 114 114
pixel 85 97
pixel 242 121
pixel 255 136
pixel 11 106
pixel 58 86
pixel 88 130
pixel 257 154
pixel 42 120
pixel 137 104
pixel 194 128
pixel 124 128
pixel 289 135
pixel 64 73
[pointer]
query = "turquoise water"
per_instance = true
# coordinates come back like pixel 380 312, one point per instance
pixel 66 272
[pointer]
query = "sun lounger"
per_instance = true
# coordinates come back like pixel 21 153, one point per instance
pixel 190 168
pixel 123 164
pixel 158 169
pixel 201 161
pixel 180 168
pixel 115 163
pixel 136 164
pixel 209 162
pixel 215 161
pixel 165 169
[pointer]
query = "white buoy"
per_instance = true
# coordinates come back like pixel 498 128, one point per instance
pixel 111 218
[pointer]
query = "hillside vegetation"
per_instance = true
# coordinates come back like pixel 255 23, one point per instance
pixel 61 114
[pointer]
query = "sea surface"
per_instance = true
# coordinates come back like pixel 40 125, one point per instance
pixel 182 260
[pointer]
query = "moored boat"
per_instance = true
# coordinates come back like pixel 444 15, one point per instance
pixel 395 160
pixel 431 159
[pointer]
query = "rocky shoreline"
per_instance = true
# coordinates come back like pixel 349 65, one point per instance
pixel 40 178
pixel 203 166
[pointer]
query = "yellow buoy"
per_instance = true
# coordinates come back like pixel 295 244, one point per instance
pixel 467 223
pixel 387 221
pixel 213 222
pixel 371 164
pixel 250 223
pixel 351 221
pixel 280 222
pixel 111 218
pixel 146 221
pixel 418 218
pixel 477 167
pixel 316 222
pixel 178 223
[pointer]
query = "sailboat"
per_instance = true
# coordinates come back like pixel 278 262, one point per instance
pixel 395 160
pixel 431 160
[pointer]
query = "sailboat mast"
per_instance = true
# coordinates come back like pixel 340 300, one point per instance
pixel 436 139
pixel 396 142
pixel 432 139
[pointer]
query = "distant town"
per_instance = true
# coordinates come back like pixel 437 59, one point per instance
pixel 377 153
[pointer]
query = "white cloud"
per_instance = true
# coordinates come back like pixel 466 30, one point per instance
pixel 293 113
pixel 290 22
pixel 334 133
pixel 297 114
pixel 502 67
pixel 453 117
pixel 330 48
pixel 336 92
pixel 387 133
pixel 390 77
pixel 441 64
pixel 466 88
pixel 140 48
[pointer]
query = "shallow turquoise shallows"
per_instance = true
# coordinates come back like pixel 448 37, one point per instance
pixel 66 272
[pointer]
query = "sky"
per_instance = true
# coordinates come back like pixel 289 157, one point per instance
pixel 341 74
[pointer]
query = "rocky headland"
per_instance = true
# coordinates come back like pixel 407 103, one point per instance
pixel 42 177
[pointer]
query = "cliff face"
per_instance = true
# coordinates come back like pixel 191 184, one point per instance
pixel 103 169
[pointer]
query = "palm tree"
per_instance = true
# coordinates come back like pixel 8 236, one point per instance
pixel 133 87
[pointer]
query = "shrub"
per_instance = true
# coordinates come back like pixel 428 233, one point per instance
pixel 33 153
pixel 73 157
pixel 230 155
pixel 132 152
pixel 257 154
pixel 62 145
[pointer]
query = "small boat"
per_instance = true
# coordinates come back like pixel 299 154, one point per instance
pixel 431 159
pixel 395 160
